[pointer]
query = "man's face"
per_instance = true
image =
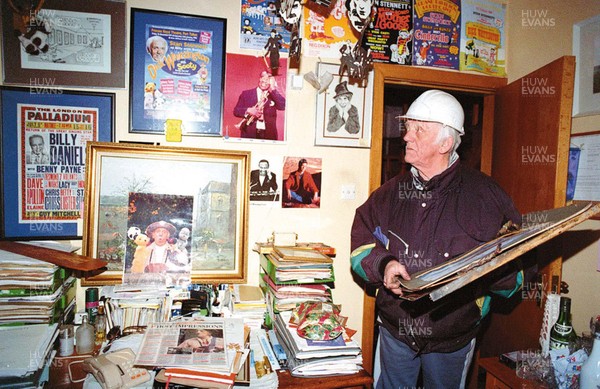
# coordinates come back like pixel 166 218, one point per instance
pixel 160 236
pixel 264 81
pixel 37 145
pixel 262 168
pixel 343 101
pixel 422 147
pixel 158 49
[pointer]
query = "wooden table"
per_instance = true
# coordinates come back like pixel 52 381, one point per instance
pixel 500 376
pixel 358 380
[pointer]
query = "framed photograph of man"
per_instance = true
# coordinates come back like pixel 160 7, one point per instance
pixel 177 65
pixel 254 108
pixel 44 136
pixel 158 209
pixel 265 180
pixel 343 111
pixel 51 43
pixel 302 180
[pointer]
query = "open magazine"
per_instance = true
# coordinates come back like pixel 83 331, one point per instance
pixel 211 342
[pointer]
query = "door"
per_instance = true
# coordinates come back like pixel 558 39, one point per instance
pixel 530 159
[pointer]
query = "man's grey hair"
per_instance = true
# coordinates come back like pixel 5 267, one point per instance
pixel 449 132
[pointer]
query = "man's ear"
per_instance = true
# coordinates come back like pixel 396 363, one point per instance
pixel 446 145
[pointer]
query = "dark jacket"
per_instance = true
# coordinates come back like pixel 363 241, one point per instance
pixel 454 212
pixel 258 190
pixel 275 102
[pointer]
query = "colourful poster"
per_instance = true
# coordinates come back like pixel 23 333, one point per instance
pixel 436 38
pixel 326 35
pixel 177 77
pixel 482 46
pixel 52 141
pixel 389 35
pixel 258 19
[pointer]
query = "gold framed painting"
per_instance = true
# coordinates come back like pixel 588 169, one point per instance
pixel 200 196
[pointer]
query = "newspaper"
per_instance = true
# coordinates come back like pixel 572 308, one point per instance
pixel 209 343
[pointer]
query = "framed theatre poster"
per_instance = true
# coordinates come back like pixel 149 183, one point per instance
pixel 50 43
pixel 176 75
pixel 586 48
pixel 197 198
pixel 44 138
pixel 343 110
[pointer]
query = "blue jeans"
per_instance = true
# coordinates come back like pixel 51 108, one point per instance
pixel 400 365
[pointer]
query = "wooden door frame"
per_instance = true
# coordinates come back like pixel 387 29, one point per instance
pixel 427 78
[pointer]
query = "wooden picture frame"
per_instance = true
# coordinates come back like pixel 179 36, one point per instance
pixel 177 73
pixel 586 97
pixel 64 43
pixel 216 179
pixel 42 190
pixel 355 130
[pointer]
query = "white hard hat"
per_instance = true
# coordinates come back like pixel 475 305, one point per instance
pixel 437 106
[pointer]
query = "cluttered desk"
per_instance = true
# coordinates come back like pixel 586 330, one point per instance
pixel 201 335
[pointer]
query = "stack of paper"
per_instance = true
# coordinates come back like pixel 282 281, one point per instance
pixel 129 306
pixel 316 358
pixel 249 303
pixel 25 354
pixel 285 297
pixel 287 271
pixel 34 291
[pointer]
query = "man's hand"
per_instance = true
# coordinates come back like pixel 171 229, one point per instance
pixel 391 276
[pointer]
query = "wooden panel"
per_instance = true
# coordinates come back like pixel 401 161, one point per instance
pixel 531 145
pixel 533 126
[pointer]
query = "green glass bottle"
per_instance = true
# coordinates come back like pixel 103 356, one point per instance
pixel 562 331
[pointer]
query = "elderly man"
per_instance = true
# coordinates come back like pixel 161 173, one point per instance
pixel 157 47
pixel 435 212
pixel 161 256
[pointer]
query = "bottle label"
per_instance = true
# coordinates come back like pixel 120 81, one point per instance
pixel 556 344
pixel 562 329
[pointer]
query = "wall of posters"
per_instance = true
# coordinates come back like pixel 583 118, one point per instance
pixel 258 19
pixel 389 35
pixel 482 46
pixel 436 36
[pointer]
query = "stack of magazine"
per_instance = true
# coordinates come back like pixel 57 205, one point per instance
pixel 309 358
pixel 34 291
pixel 292 275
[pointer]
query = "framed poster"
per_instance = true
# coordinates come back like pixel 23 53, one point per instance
pixel 343 111
pixel 586 47
pixel 50 43
pixel 133 189
pixel 44 137
pixel 584 167
pixel 177 68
